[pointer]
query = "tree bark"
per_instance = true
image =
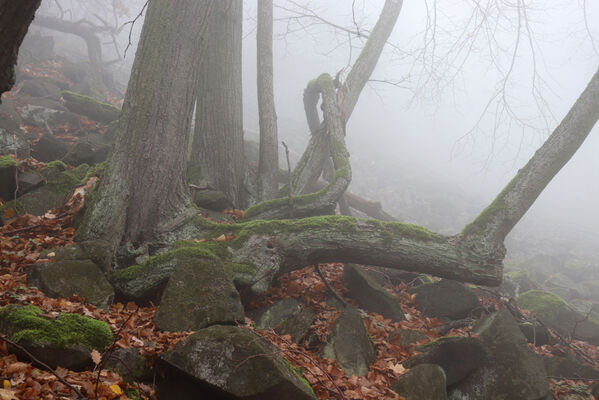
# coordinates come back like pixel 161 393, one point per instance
pixel 144 191
pixel 311 164
pixel 218 136
pixel 15 18
pixel 268 165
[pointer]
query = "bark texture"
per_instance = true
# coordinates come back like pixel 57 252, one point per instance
pixel 15 18
pixel 268 165
pixel 218 136
pixel 144 191
pixel 311 164
pixel 498 219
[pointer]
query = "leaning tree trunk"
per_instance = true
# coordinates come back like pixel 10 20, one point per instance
pixel 476 255
pixel 268 164
pixel 312 162
pixel 144 191
pixel 15 18
pixel 218 136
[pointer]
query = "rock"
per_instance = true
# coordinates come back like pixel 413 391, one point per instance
pixel 565 287
pixel 183 307
pixel 446 299
pixel 86 152
pixel 60 183
pixel 569 368
pixel 405 337
pixel 536 333
pixel 286 317
pixel 49 148
pixel 231 362
pixel 370 295
pixel 40 88
pixel 29 181
pixel 146 282
pixel 91 108
pixel 423 382
pixel 65 341
pixel 8 166
pixel 595 390
pixel 129 363
pixel 513 370
pixel 42 111
pixel 350 344
pixel 68 277
pixel 556 314
pixel 96 250
pixel 516 282
pixel 214 200
pixel 458 356
pixel 11 136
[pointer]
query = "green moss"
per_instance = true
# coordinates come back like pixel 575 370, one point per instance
pixel 136 271
pixel 297 371
pixel 519 275
pixel 404 230
pixel 232 269
pixel 437 342
pixel 544 303
pixel 132 394
pixel 7 162
pixel 26 324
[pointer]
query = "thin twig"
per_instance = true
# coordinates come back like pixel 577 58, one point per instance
pixel 328 285
pixel 290 182
pixel 43 364
pixel 110 349
pixel 132 22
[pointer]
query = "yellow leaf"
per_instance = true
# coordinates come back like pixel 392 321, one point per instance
pixel 397 368
pixel 116 389
pixel 6 384
pixel 221 238
pixel 96 356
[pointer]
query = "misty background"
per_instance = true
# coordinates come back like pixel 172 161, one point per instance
pixel 461 102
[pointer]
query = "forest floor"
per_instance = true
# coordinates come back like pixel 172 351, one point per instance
pixel 23 237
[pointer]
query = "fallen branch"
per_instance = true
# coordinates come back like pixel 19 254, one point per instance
pixel 46 366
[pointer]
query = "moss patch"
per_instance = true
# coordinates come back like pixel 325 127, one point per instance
pixel 7 162
pixel 26 324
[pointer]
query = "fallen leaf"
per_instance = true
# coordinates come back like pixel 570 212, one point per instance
pixel 6 394
pixel 96 356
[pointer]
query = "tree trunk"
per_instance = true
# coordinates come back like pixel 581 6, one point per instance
pixel 144 191
pixel 311 164
pixel 268 165
pixel 15 18
pixel 218 137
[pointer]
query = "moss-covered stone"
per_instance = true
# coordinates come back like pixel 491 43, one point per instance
pixel 425 381
pixel 91 108
pixel 238 362
pixel 446 299
pixel 8 167
pixel 69 277
pixel 559 315
pixel 25 324
pixel 198 294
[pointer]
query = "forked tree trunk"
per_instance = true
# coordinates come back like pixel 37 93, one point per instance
pixel 144 191
pixel 15 18
pixel 268 164
pixel 218 136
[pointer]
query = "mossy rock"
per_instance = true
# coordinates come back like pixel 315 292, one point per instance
pixel 406 337
pixel 458 356
pixel 557 314
pixel 60 182
pixel 235 363
pixel 129 363
pixel 513 370
pixel 198 294
pixel 69 277
pixel 286 317
pixel 446 299
pixel 569 368
pixel 423 382
pixel 369 294
pixel 146 282
pixel 65 341
pixel 91 108
pixel 97 251
pixel 350 344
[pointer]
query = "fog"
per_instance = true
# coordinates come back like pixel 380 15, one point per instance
pixel 421 134
pixel 443 134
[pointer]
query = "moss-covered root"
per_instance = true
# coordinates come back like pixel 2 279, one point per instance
pixel 26 324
